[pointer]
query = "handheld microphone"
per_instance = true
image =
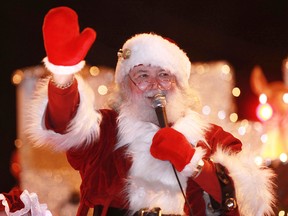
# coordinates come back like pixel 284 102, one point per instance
pixel 159 103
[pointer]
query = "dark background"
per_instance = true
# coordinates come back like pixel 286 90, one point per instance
pixel 244 33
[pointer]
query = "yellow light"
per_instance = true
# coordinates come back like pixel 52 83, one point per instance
pixel 236 92
pixel 225 69
pixel 102 90
pixel 281 213
pixel 200 69
pixel 233 117
pixel 18 143
pixel 264 112
pixel 17 77
pixel 94 71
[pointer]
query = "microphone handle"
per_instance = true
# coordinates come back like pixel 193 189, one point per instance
pixel 161 115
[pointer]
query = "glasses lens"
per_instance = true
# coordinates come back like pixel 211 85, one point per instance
pixel 145 83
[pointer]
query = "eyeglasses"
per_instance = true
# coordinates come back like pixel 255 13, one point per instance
pixel 145 81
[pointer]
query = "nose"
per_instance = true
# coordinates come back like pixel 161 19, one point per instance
pixel 155 85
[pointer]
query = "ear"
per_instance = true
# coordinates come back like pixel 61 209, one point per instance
pixel 258 80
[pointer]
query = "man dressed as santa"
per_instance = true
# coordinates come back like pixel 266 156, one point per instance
pixel 131 160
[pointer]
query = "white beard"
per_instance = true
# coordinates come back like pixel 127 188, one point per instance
pixel 152 182
pixel 139 107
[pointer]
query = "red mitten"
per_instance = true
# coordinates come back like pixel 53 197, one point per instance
pixel 64 45
pixel 169 144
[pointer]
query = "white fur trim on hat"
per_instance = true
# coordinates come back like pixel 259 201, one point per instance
pixel 154 50
pixel 61 69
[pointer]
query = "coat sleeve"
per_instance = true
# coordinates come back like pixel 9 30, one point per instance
pixel 254 187
pixel 64 120
pixel 61 107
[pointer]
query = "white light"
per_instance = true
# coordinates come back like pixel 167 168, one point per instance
pixel 263 98
pixel 258 160
pixel 221 114
pixel 102 90
pixel 264 138
pixel 242 130
pixel 264 112
pixel 285 98
pixel 283 157
pixel 206 110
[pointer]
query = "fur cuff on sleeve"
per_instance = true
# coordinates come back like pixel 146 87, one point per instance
pixel 191 168
pixel 254 185
pixel 82 130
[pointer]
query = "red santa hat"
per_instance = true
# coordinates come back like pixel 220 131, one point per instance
pixel 152 49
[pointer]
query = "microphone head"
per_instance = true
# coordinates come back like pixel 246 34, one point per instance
pixel 159 100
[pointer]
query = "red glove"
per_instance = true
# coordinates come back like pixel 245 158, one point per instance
pixel 63 43
pixel 169 144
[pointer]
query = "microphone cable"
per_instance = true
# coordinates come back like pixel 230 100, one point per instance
pixel 159 103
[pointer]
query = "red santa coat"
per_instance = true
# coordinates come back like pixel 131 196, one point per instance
pixel 105 168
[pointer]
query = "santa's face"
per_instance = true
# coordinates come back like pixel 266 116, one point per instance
pixel 142 84
pixel 147 81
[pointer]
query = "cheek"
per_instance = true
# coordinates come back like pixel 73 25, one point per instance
pixel 134 89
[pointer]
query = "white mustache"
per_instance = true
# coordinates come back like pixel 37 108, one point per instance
pixel 153 92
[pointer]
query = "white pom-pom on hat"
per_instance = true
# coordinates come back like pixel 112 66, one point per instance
pixel 152 49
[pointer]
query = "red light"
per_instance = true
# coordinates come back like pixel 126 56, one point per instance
pixel 264 112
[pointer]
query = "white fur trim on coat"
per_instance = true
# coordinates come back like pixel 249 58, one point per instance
pixel 253 184
pixel 152 182
pixel 64 70
pixel 191 168
pixel 82 130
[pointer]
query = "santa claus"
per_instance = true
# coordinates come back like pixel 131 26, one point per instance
pixel 132 161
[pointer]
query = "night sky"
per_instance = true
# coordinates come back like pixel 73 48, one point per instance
pixel 244 34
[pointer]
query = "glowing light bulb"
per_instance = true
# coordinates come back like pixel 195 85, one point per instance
pixel 236 92
pixel 233 117
pixel 225 69
pixel 17 77
pixel 285 98
pixel 206 110
pixel 94 71
pixel 264 112
pixel 264 138
pixel 263 98
pixel 242 130
pixel 258 160
pixel 102 90
pixel 283 157
pixel 221 114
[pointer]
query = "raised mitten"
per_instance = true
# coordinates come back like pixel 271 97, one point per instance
pixel 169 144
pixel 64 44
